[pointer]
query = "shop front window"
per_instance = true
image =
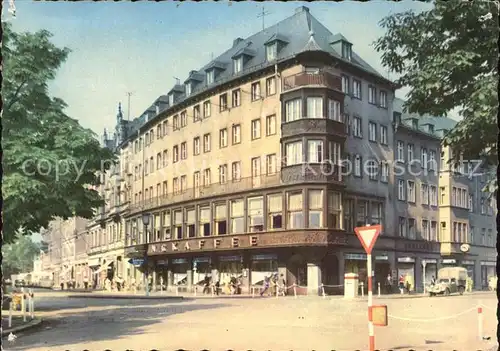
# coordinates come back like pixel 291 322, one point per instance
pixel 220 219
pixel 255 214
pixel 237 216
pixel 315 208
pixel 262 266
pixel 204 221
pixel 295 218
pixel 275 211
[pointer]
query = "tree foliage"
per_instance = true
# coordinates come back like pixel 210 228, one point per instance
pixel 39 140
pixel 19 256
pixel 448 57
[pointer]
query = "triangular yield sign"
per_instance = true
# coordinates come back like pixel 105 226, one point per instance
pixel 368 235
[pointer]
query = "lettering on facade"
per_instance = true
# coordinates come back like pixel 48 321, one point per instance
pixel 216 242
pixel 201 243
pixel 186 246
pixel 153 248
pixel 339 240
pixel 163 248
pixel 235 242
pixel 174 247
pixel 253 240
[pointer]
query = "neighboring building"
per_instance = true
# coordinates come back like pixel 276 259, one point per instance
pixel 457 213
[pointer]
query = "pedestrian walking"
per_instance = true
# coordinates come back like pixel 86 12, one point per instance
pixel 267 282
pixel 401 284
pixel 388 284
pixel 206 285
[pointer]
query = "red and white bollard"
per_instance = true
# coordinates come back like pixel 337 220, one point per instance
pixel 480 322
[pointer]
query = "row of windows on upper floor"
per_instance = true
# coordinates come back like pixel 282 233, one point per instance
pixel 353 88
pixel 427 157
pixel 181 120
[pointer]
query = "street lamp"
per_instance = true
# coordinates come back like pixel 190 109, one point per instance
pixel 145 221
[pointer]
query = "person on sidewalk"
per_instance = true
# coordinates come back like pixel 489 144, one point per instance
pixel 402 284
pixel 266 285
pixel 388 284
pixel 206 285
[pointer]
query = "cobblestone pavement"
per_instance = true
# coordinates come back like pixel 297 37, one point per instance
pixel 305 323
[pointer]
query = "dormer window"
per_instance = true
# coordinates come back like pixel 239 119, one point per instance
pixel 188 89
pixel 238 64
pixel 157 108
pixel 431 128
pixel 346 51
pixel 210 77
pixel 171 100
pixel 272 51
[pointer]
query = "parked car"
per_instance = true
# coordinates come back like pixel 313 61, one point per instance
pixel 450 280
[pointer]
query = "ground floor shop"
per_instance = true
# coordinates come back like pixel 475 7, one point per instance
pixel 488 271
pixel 108 266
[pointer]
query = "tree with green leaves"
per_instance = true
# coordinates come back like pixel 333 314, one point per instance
pixel 49 160
pixel 19 256
pixel 448 57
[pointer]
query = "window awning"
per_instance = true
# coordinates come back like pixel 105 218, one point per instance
pixel 103 266
pixel 179 278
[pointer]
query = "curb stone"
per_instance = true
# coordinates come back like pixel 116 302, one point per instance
pixel 125 297
pixel 29 325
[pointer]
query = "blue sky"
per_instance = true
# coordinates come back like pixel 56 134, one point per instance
pixel 140 47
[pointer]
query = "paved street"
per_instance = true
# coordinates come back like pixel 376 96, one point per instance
pixel 304 323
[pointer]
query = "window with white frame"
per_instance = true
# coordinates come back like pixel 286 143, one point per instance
pixel 206 109
pixel 426 233
pixel 204 221
pixel 210 77
pixel 176 185
pixel 188 89
pixel 357 166
pixel 433 196
pixel 196 180
pixel 471 203
pixel 411 150
pixel 255 91
pixel 412 229
pixel 256 167
pixel 207 179
pixel 183 183
pixel 256 129
pixel 424 190
pixel 183 151
pixel 315 151
pixel 178 224
pixel 401 189
pixel 334 110
pixel 223 138
pixel 400 151
pixel 222 174
pixel 357 129
pixel 372 131
pixel 372 169
pixel 271 164
pixel 315 107
pixel 411 191
pixel 275 211
pixel 345 84
pixel 356 89
pixel 255 210
pixel 271 86
pixel 176 153
pixel 335 153
pixel 236 129
pixel 237 217
pixel 372 95
pixel 196 146
pixel 334 209
pixel 236 98
pixel 423 157
pixel 294 153
pixel 293 110
pixel 295 205
pixel 238 64
pixel 271 125
pixel 432 160
pixel 315 208
pixel 176 122
pixel 383 99
pixel 433 232
pixel 220 219
pixel 272 51
pixel 383 135
pixel 165 158
pixel 377 209
pixel 196 113
pixel 171 100
pixel 236 171
pixel 223 102
pixel 207 145
pixel 384 175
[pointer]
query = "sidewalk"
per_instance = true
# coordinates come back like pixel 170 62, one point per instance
pixel 18 325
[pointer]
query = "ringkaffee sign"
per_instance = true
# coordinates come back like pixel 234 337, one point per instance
pixel 277 239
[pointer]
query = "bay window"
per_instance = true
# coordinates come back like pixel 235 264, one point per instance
pixel 315 208
pixel 295 216
pixel 178 224
pixel 294 153
pixel 237 217
pixel 204 221
pixel 255 207
pixel 275 211
pixel 315 151
pixel 315 107
pixel 335 153
pixel 293 110
pixel 220 219
pixel 334 110
pixel 334 209
pixel 191 223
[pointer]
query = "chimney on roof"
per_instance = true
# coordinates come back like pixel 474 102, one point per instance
pixel 237 41
pixel 301 9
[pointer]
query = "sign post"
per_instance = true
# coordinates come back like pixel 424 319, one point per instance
pixel 367 236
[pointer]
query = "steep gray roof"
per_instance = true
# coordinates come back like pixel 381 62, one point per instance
pixel 293 31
